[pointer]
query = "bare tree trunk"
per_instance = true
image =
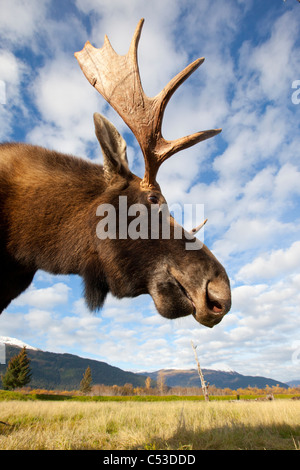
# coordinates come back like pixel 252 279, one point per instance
pixel 161 385
pixel 203 383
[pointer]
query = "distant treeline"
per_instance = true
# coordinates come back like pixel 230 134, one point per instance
pixel 129 390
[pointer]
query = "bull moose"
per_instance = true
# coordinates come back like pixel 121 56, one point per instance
pixel 49 203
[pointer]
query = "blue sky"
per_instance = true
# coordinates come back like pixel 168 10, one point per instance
pixel 247 178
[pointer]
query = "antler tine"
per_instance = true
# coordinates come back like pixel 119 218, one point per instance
pixel 196 229
pixel 115 77
pixel 135 40
pixel 118 80
pixel 165 95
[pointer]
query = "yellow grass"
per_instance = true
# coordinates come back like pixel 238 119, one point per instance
pixel 152 426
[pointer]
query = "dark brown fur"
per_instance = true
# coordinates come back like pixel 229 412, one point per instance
pixel 48 221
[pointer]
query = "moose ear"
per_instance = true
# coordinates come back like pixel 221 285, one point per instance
pixel 113 147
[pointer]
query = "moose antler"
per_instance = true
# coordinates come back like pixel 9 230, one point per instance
pixel 198 228
pixel 118 80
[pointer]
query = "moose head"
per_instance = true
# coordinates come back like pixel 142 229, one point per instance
pixel 51 205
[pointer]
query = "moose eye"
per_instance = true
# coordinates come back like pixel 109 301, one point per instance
pixel 153 199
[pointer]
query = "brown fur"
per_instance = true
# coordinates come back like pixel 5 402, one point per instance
pixel 48 221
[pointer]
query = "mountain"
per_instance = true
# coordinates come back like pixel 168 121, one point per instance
pixel 294 383
pixel 54 371
pixel 219 378
pixel 15 342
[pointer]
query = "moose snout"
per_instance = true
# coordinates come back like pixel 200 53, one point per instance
pixel 217 302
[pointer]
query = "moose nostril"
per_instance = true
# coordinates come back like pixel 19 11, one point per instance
pixel 215 306
pixel 218 297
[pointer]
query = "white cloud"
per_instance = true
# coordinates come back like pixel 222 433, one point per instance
pixel 21 19
pixel 276 60
pixel 248 234
pixel 66 108
pixel 46 298
pixel 59 332
pixel 270 265
pixel 12 72
pixel 287 182
pixel 38 320
pixel 253 139
pixel 268 67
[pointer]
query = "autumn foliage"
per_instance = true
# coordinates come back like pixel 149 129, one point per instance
pixel 161 389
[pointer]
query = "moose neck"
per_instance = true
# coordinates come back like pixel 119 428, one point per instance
pixel 61 194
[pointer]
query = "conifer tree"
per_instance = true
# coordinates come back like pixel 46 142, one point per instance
pixel 86 382
pixel 18 372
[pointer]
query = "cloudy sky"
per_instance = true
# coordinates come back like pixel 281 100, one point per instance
pixel 247 178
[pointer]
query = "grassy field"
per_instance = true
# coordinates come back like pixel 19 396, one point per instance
pixel 181 425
